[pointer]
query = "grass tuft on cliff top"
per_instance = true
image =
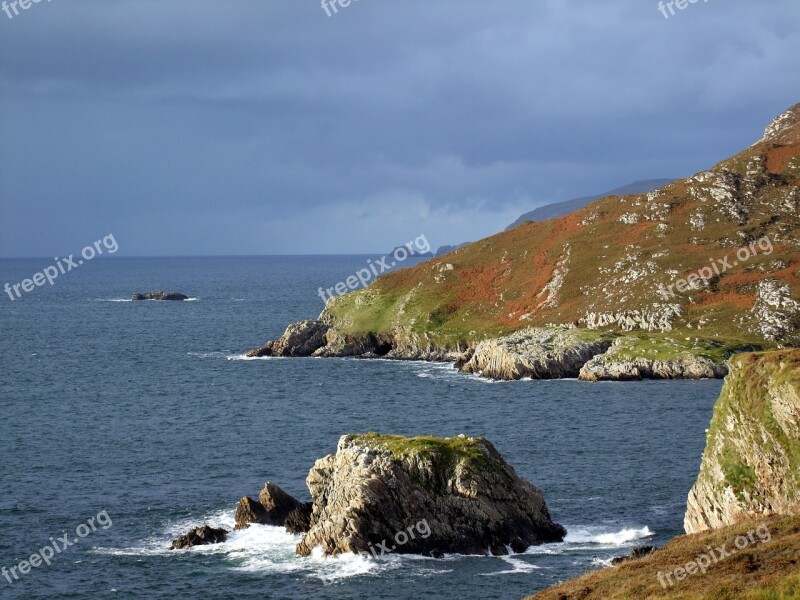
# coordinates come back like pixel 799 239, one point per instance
pixel 451 450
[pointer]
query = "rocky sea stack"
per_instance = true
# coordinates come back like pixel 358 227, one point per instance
pixel 377 490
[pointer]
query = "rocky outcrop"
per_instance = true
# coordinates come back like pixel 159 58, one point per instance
pixel 319 339
pixel 751 464
pixel 158 295
pixel 539 353
pixel 200 536
pixel 423 496
pixel 608 368
pixel 299 339
pixel 776 314
pixel 273 507
pixel 669 358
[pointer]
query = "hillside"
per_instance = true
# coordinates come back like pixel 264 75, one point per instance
pixel 665 284
pixel 559 209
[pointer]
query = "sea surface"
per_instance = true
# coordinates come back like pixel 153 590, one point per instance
pixel 147 413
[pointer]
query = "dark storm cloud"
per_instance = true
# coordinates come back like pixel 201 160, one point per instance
pixel 195 127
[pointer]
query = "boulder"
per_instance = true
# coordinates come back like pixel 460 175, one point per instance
pixel 157 295
pixel 299 520
pixel 422 495
pixel 250 511
pixel 200 536
pixel 272 507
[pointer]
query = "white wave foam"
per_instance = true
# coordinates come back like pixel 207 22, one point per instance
pixel 594 535
pixel 209 354
pixel 267 549
pixel 517 566
pixel 245 357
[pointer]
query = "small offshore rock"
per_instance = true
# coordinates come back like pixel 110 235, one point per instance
pixel 200 536
pixel 158 295
pixel 273 507
pixel 250 511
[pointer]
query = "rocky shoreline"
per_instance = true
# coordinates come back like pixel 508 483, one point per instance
pixel 534 353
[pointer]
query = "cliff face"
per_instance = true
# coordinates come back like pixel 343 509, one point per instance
pixel 423 496
pixel 751 466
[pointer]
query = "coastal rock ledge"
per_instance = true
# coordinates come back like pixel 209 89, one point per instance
pixel 378 491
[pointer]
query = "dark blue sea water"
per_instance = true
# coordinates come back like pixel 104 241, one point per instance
pixel 146 411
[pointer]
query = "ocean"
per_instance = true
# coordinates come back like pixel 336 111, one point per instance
pixel 147 413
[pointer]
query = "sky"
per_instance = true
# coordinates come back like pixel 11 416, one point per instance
pixel 197 127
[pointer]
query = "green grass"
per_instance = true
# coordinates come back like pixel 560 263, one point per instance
pixel 669 346
pixel 446 452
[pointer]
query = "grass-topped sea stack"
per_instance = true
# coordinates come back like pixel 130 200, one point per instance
pixel 378 486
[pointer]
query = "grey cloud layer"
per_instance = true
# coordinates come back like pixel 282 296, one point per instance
pixel 207 127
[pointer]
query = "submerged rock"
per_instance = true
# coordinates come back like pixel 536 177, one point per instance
pixel 750 467
pixel 200 536
pixel 538 353
pixel 423 495
pixel 158 295
pixel 273 507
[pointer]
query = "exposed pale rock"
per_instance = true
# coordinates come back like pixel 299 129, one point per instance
pixel 299 339
pixel 538 353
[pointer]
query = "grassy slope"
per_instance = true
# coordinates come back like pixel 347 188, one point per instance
pixel 762 571
pixel 498 285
